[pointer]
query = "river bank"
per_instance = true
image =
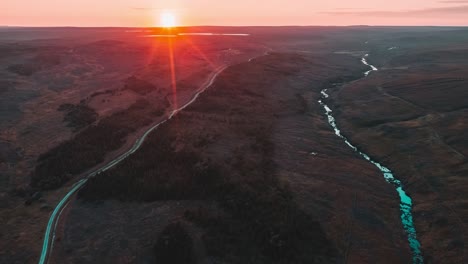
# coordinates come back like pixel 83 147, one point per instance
pixel 405 201
pixel 274 148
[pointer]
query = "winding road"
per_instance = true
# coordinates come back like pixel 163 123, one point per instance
pixel 406 203
pixel 49 236
pixel 405 200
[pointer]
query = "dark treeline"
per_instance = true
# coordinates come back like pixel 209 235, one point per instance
pixel 89 147
pixel 78 116
pixel 144 176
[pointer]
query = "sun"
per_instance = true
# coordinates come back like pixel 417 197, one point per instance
pixel 168 19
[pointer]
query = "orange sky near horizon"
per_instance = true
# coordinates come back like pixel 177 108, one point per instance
pixel 143 13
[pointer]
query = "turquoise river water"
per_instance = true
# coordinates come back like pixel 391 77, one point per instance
pixel 405 200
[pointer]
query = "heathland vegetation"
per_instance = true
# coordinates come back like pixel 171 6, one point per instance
pixel 90 146
pixel 221 149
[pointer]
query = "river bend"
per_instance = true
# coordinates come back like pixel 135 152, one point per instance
pixel 406 203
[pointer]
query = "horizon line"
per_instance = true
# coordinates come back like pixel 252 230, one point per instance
pixel 193 26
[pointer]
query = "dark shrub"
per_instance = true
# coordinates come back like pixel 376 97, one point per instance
pixel 174 246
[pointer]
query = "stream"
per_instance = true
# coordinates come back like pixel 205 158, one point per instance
pixel 405 200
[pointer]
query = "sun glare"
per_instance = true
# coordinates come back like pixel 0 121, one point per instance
pixel 168 19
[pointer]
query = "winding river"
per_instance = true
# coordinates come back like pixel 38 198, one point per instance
pixel 405 200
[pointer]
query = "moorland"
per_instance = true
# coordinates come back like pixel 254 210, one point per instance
pixel 250 171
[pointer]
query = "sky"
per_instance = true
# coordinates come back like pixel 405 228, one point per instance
pixel 143 13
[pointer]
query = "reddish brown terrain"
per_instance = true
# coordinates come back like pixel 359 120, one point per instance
pixel 412 116
pixel 72 100
pixel 251 171
pixel 241 151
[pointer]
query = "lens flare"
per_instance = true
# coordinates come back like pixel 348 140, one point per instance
pixel 168 19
